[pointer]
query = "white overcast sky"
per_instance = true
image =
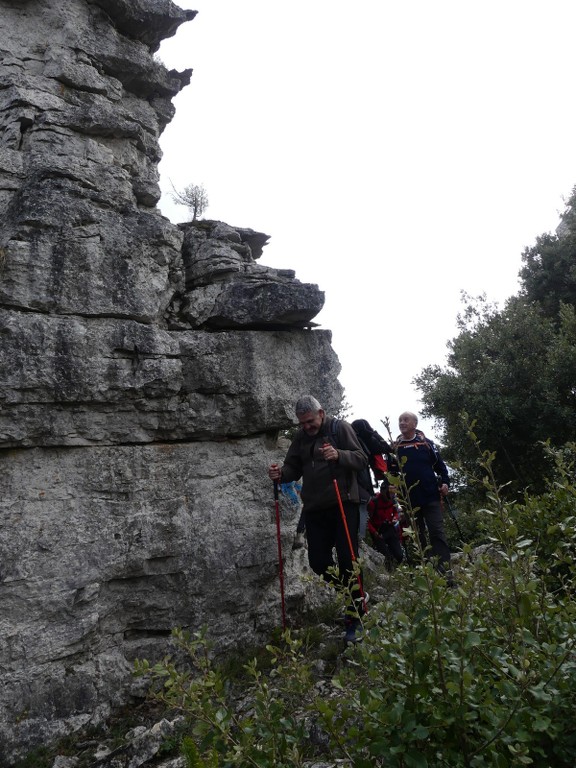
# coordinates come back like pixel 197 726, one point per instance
pixel 396 153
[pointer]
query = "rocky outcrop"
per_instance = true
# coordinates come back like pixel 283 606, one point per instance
pixel 145 371
pixel 225 288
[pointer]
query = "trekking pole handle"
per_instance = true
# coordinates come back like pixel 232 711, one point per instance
pixel 328 444
pixel 331 463
pixel 276 484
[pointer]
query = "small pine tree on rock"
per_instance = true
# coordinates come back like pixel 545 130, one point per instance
pixel 194 197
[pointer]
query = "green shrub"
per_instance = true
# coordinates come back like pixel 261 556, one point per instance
pixel 469 527
pixel 261 728
pixel 549 520
pixel 483 675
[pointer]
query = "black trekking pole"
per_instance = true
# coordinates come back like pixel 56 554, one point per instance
pixel 347 531
pixel 280 561
pixel 452 513
pixel 453 516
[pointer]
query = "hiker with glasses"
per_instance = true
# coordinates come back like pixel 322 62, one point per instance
pixel 320 454
pixel 426 479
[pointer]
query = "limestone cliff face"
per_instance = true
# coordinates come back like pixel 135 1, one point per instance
pixel 145 369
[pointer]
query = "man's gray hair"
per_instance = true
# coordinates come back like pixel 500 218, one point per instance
pixel 412 415
pixel 307 404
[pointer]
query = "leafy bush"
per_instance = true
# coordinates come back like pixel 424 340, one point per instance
pixel 483 675
pixel 468 527
pixel 256 723
pixel 549 520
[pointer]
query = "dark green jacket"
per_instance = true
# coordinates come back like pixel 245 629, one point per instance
pixel 305 461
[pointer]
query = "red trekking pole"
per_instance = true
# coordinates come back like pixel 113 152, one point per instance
pixel 347 531
pixel 280 562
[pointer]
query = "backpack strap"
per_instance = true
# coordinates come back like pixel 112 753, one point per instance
pixel 429 444
pixel 334 429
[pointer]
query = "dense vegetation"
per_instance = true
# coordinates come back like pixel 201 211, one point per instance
pixel 481 675
pixel 513 370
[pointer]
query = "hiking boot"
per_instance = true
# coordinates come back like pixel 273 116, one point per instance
pixel 353 632
pixel 362 602
pixel 299 541
pixel 353 610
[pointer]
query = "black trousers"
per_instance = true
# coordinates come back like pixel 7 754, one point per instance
pixel 324 531
pixel 390 545
pixel 430 519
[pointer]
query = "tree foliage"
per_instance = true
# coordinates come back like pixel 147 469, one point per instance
pixel 549 272
pixel 513 370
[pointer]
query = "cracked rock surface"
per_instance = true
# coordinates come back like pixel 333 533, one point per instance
pixel 145 371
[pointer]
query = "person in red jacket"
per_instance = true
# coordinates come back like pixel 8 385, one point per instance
pixel 384 524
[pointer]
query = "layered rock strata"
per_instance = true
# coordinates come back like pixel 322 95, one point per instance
pixel 145 371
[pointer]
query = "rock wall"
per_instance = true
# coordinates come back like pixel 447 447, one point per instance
pixel 145 371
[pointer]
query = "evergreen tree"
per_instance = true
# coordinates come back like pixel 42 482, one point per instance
pixel 513 370
pixel 549 272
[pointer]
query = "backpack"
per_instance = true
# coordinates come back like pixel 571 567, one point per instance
pixel 363 476
pixel 377 448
